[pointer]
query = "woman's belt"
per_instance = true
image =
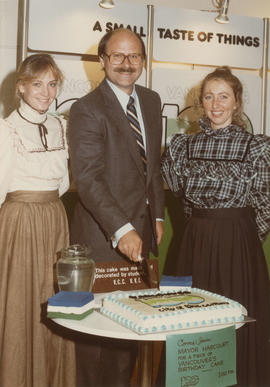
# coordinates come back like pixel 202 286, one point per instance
pixel 231 212
pixel 32 196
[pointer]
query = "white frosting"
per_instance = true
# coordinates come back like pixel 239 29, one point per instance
pixel 143 318
pixel 71 309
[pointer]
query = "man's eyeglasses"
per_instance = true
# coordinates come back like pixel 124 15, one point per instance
pixel 117 58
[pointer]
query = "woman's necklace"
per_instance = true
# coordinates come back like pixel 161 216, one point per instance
pixel 42 129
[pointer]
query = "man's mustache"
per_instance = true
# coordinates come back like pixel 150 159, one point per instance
pixel 125 70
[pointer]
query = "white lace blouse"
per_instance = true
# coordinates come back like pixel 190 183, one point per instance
pixel 29 160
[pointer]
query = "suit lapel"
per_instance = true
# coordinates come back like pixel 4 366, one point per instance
pixel 119 120
pixel 146 109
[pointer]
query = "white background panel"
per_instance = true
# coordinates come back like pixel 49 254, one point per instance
pixel 179 89
pixel 69 25
pixel 80 78
pixel 195 47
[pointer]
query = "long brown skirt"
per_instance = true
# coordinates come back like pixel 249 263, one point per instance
pixel 33 227
pixel 222 252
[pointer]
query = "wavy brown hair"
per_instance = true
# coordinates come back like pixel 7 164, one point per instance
pixel 224 74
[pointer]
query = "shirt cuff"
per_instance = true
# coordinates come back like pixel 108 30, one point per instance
pixel 121 232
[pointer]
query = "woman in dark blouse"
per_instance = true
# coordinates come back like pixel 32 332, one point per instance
pixel 222 175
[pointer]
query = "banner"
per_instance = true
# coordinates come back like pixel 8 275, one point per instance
pixel 182 38
pixel 76 26
pixel 188 36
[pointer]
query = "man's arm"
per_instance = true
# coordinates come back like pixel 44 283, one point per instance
pixel 87 136
pixel 87 148
pixel 159 231
pixel 128 242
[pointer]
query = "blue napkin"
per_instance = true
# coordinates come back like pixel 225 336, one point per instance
pixel 65 298
pixel 167 280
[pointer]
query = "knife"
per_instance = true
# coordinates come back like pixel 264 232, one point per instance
pixel 150 275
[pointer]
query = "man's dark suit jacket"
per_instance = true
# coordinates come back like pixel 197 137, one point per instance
pixel 108 171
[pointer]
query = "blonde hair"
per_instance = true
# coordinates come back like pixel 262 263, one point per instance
pixel 33 66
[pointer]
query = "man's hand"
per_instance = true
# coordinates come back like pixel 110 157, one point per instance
pixel 131 245
pixel 159 231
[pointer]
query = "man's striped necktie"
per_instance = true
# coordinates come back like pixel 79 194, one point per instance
pixel 134 123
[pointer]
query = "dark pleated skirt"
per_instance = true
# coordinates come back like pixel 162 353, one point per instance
pixel 33 227
pixel 222 252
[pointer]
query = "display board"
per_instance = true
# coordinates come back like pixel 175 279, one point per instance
pixel 179 90
pixel 77 26
pixel 187 44
pixel 188 36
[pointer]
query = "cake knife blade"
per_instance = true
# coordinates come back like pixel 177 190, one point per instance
pixel 150 274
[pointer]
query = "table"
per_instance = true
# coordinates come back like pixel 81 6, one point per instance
pixel 100 325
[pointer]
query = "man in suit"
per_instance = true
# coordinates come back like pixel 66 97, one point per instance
pixel 116 165
pixel 115 195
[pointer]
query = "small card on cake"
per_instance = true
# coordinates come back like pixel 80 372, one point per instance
pixel 169 280
pixel 126 275
pixel 201 359
pixel 70 299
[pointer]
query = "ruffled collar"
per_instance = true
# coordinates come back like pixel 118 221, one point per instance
pixel 27 113
pixel 222 132
pixel 30 114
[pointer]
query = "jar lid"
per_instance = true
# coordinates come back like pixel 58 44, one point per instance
pixel 76 250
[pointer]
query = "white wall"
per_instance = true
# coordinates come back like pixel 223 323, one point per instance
pixel 9 21
pixel 8 52
pixel 256 8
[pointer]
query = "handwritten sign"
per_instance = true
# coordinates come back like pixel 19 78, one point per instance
pixel 201 359
pixel 120 275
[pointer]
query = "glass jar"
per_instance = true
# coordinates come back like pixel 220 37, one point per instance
pixel 75 269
